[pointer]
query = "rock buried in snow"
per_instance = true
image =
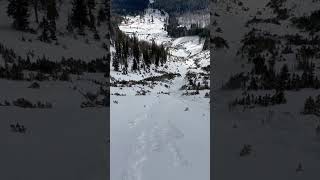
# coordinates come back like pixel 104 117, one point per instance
pixel 186 109
pixel 18 128
pixel 299 168
pixel 246 150
pixel 34 85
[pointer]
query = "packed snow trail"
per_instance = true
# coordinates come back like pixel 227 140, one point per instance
pixel 160 136
pixel 166 137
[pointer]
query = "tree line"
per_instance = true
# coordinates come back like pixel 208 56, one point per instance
pixel 14 66
pixel 178 6
pixel 82 15
pixel 266 100
pixel 142 53
pixel 312 106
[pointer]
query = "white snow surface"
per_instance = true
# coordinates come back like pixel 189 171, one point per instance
pixel 160 136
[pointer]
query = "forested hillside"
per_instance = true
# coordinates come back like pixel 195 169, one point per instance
pixel 128 6
pixel 181 6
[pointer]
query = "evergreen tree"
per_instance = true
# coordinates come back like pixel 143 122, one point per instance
pixel 102 17
pixel 117 57
pixel 79 15
pixel 44 25
pixel 52 14
pixel 157 59
pixel 91 7
pixel 284 73
pixel 115 63
pixel 146 58
pixel 309 106
pixel 253 84
pixel 136 51
pixel 18 10
pixel 134 65
pixel 163 55
pixel 35 7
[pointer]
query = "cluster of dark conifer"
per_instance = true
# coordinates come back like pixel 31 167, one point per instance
pixel 312 105
pixel 128 6
pixel 266 100
pixel 263 50
pixel 142 53
pixel 24 103
pixel 310 23
pixel 83 14
pixel 178 6
pixel 43 68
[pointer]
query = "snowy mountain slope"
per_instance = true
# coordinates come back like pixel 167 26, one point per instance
pixel 153 125
pixel 147 27
pixel 67 45
pixel 280 136
pixel 66 130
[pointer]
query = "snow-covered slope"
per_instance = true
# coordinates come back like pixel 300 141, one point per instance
pixel 280 136
pixel 69 139
pixel 157 131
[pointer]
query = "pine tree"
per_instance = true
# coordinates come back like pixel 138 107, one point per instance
pixel 253 84
pixel 91 7
pixel 102 17
pixel 309 106
pixel 157 59
pixel 117 57
pixel 136 51
pixel 35 7
pixel 163 55
pixel 284 73
pixel 115 63
pixel 44 25
pixel 52 14
pixel 79 15
pixel 146 58
pixel 153 49
pixel 134 65
pixel 107 11
pixel 18 10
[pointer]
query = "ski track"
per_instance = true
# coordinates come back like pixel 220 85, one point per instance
pixel 153 139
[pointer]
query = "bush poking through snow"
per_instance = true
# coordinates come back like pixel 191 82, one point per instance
pixel 18 128
pixel 23 103
pixel 34 85
pixel 246 150
pixel 219 42
pixel 312 106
